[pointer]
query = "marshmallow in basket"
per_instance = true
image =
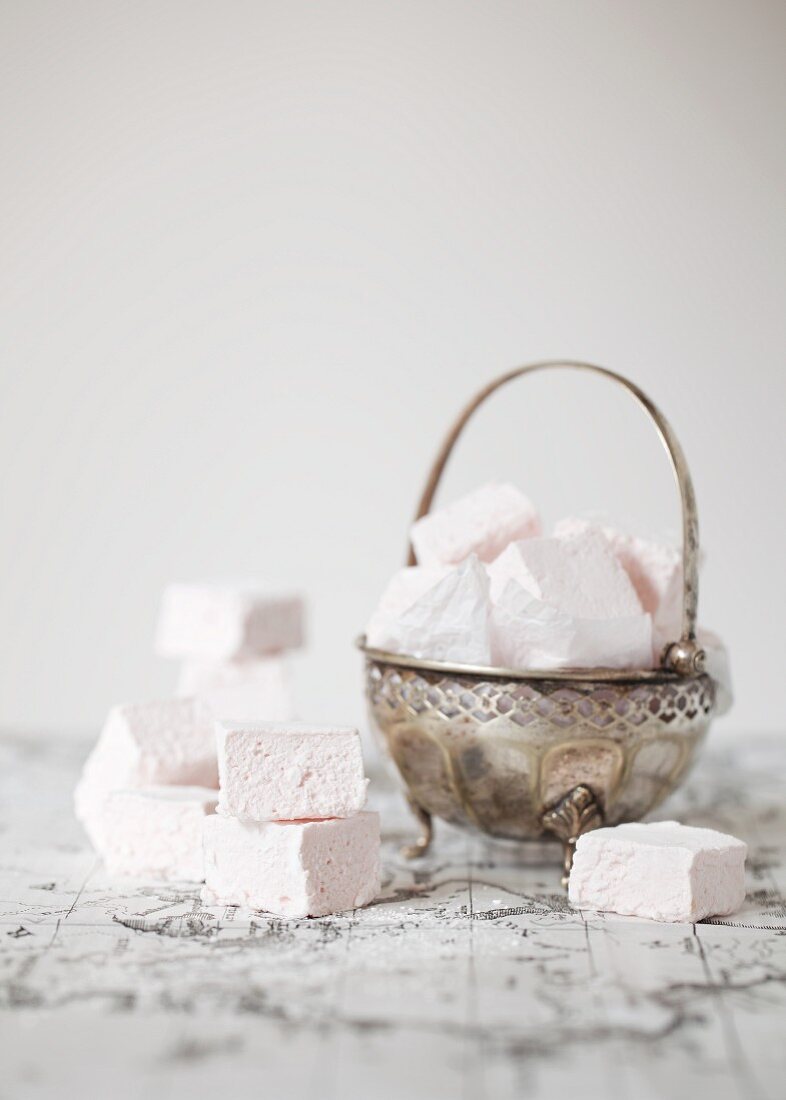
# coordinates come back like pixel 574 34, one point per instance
pixel 491 590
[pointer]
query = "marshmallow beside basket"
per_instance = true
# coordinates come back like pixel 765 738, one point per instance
pixel 525 754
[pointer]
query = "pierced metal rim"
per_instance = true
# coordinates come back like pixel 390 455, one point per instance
pixel 582 675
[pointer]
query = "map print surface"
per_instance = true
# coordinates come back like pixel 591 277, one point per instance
pixel 471 976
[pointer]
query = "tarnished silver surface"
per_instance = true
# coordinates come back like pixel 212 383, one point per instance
pixel 488 672
pixel 574 814
pixel 497 755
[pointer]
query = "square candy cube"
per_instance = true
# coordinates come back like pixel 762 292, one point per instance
pixel 167 742
pixel 655 570
pixel 527 633
pixel 292 869
pixel 447 622
pixel 664 871
pixel 271 771
pixel 156 832
pixel 483 522
pixel 221 622
pixel 579 575
pixel 256 689
pixel 404 589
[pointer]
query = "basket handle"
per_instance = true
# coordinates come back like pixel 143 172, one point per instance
pixel 684 656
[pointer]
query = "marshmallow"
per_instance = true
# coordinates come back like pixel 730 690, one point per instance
pixel 654 569
pixel 718 667
pixel 240 689
pixel 273 772
pixel 529 634
pixel 482 523
pixel 146 744
pixel 448 622
pixel 156 832
pixel 664 871
pixel 226 623
pixel 404 588
pixel 578 575
pixel 292 869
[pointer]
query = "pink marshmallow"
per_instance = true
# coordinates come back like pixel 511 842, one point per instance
pixel 579 575
pixel 529 634
pixel 156 832
pixel 655 570
pixel 403 590
pixel 292 869
pixel 663 870
pixel 448 622
pixel 286 771
pixel 143 745
pixel 219 622
pixel 482 522
pixel 253 689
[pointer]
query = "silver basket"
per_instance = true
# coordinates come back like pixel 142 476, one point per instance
pixel 521 754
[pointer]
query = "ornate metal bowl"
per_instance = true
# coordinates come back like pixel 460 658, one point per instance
pixel 520 754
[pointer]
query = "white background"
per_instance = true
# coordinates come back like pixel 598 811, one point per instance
pixel 254 257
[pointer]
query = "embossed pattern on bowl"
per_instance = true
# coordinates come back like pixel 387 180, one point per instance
pixel 497 755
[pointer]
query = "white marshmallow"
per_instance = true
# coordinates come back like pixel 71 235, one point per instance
pixel 719 668
pixel 253 689
pixel 579 575
pixel 664 871
pixel 529 634
pixel 221 622
pixel 482 522
pixel 448 622
pixel 285 772
pixel 655 570
pixel 156 832
pixel 147 744
pixel 292 869
pixel 404 588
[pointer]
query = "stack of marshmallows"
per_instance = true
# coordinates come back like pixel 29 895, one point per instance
pixel 148 793
pixel 147 787
pixel 232 642
pixel 290 836
pixel 491 589
pixel 153 775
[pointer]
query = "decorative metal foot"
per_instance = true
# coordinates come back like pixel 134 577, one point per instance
pixel 423 843
pixel 576 813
